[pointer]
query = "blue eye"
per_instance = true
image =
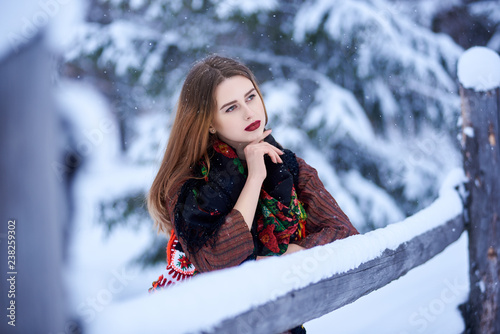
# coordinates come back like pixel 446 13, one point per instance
pixel 231 108
pixel 251 97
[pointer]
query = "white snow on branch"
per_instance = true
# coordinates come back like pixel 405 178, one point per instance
pixel 383 36
pixel 226 8
pixel 479 69
pixel 373 199
pixel 337 110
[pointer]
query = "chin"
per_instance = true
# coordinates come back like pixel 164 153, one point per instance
pixel 256 134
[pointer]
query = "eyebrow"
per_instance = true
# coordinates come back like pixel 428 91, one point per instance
pixel 234 101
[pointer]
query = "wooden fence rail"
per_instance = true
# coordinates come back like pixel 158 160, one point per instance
pixel 325 296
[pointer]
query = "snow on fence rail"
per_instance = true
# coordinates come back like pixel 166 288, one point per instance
pixel 276 294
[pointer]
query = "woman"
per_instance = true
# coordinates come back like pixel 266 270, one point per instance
pixel 226 191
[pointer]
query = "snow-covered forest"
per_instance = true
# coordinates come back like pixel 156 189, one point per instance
pixel 365 91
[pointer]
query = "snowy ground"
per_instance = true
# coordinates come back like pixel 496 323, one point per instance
pixel 423 301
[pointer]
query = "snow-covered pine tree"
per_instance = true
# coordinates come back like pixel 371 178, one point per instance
pixel 358 88
pixel 468 22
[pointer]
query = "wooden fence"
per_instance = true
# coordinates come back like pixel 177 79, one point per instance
pixel 31 197
pixel 317 299
pixel 297 288
pixel 481 140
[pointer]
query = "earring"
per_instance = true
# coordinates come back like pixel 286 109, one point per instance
pixel 212 131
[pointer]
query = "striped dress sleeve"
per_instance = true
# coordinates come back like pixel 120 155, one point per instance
pixel 234 244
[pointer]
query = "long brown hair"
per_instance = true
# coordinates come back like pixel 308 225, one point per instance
pixel 189 136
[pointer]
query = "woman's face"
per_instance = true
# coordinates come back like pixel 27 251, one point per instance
pixel 240 117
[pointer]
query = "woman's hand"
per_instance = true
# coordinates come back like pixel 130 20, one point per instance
pixel 254 155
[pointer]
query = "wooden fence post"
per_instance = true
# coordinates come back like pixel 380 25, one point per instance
pixel 32 210
pixel 479 73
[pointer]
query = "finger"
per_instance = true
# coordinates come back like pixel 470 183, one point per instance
pixel 273 152
pixel 280 152
pixel 277 158
pixel 272 147
pixel 275 149
pixel 274 157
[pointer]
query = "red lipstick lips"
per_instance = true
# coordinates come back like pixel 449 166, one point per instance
pixel 254 126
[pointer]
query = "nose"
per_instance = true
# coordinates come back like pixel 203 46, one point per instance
pixel 248 113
